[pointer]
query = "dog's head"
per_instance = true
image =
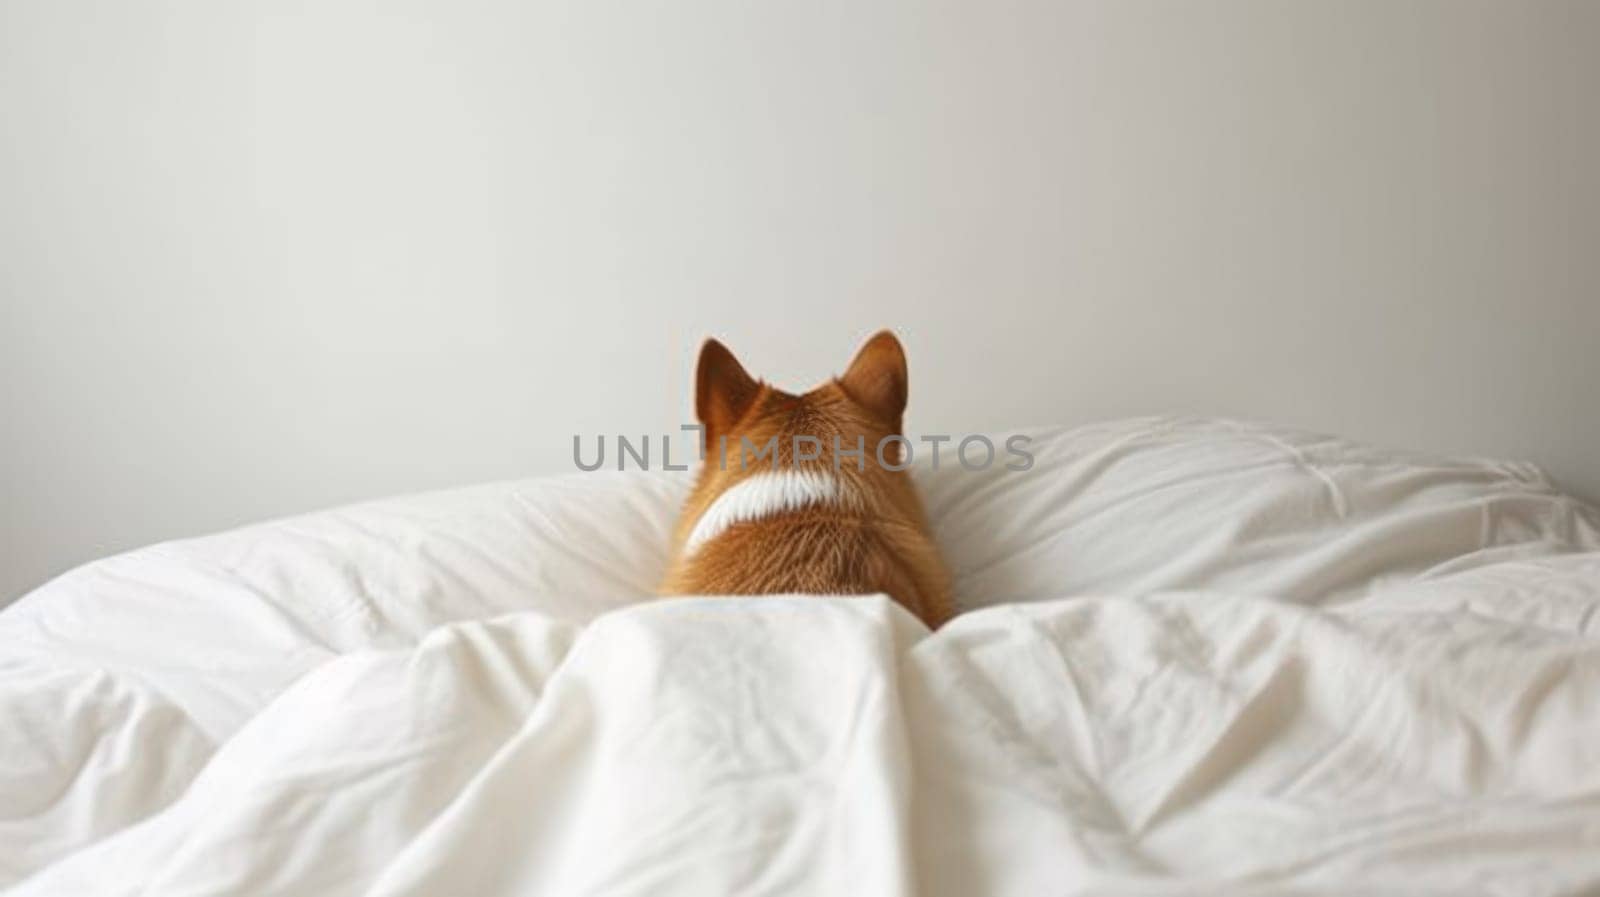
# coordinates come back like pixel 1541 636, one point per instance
pixel 848 426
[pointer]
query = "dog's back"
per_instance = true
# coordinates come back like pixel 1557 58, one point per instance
pixel 801 493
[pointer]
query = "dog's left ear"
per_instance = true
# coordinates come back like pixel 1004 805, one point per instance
pixel 723 390
pixel 877 379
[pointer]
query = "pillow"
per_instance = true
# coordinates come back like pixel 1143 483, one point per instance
pixel 1162 503
pixel 220 624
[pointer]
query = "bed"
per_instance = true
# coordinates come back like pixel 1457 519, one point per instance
pixel 1196 656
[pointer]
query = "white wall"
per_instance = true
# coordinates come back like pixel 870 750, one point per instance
pixel 258 258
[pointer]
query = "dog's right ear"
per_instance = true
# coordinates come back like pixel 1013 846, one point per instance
pixel 723 390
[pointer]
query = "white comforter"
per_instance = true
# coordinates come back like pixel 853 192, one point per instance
pixel 1270 663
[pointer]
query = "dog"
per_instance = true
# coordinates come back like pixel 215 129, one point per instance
pixel 807 494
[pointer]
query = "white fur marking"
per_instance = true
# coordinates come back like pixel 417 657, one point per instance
pixel 764 495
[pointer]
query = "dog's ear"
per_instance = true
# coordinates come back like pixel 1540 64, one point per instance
pixel 723 390
pixel 877 379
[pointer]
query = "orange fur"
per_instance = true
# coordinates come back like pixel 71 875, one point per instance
pixel 879 542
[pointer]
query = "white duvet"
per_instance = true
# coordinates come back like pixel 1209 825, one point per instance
pixel 1199 657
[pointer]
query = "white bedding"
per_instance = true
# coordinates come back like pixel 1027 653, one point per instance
pixel 1200 657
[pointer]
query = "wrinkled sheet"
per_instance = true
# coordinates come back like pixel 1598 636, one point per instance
pixel 1276 664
